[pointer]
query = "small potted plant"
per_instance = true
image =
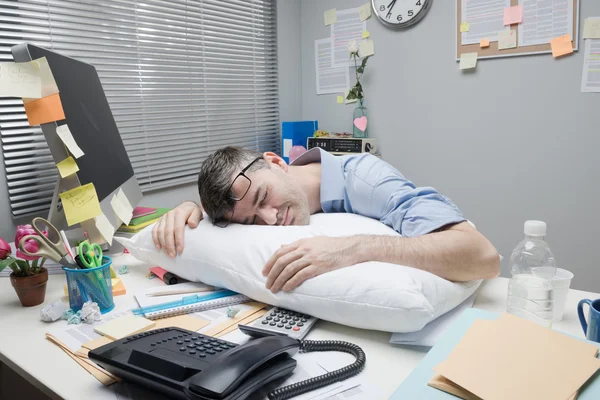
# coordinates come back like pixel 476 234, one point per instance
pixel 29 276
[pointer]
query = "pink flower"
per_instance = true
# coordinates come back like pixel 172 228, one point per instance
pixel 4 249
pixel 29 245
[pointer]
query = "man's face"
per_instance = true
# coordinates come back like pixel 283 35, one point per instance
pixel 274 198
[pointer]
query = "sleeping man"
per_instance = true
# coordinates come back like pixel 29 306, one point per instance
pixel 245 187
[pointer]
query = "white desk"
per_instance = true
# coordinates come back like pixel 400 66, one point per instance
pixel 24 348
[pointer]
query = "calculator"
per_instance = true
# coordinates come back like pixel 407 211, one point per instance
pixel 282 321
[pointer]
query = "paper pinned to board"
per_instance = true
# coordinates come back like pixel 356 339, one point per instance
pixel 20 80
pixel 590 78
pixel 105 227
pixel 507 40
pixel 591 28
pixel 348 27
pixel 367 48
pixel 330 17
pixel 468 60
pixel 80 204
pixel 464 27
pixel 561 46
pixel 329 80
pixel 489 15
pixel 545 20
pixel 513 15
pixel 121 206
pixel 364 11
pixel 64 133
pixel 44 110
pixel 67 167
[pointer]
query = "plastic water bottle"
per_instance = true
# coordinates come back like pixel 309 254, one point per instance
pixel 532 266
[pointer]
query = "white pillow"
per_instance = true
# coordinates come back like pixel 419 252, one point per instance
pixel 371 295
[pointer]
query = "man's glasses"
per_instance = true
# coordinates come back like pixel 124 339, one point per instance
pixel 242 183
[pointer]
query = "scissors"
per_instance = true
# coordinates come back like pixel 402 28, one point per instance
pixel 51 247
pixel 90 254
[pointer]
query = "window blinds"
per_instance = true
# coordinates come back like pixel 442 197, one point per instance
pixel 183 78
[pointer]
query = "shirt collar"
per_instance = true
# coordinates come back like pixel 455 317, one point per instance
pixel 332 172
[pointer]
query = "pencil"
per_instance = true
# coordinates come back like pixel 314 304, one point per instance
pixel 181 291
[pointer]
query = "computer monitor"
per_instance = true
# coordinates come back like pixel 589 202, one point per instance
pixel 105 162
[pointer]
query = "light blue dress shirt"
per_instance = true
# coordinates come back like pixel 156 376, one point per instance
pixel 366 185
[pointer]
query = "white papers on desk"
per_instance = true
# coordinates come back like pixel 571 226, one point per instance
pixel 590 81
pixel 348 27
pixel 429 335
pixel 485 19
pixel 545 20
pixel 329 79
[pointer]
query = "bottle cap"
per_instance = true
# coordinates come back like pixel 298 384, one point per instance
pixel 535 228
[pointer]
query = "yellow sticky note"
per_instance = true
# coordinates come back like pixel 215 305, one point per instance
pixel 464 27
pixel 364 11
pixel 591 28
pixel 121 206
pixel 80 204
pixel 340 99
pixel 484 43
pixel 64 133
pixel 105 227
pixel 507 39
pixel 365 34
pixel 20 80
pixel 346 97
pixel 468 60
pixel 366 48
pixel 330 17
pixel 561 46
pixel 67 167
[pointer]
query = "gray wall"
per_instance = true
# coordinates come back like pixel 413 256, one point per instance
pixel 515 140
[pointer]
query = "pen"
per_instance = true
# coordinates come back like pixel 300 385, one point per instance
pixel 181 291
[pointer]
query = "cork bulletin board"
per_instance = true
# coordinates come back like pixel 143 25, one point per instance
pixel 492 51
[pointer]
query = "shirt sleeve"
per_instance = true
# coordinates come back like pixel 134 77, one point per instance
pixel 377 190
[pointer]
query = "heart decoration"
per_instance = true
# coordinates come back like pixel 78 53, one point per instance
pixel 361 123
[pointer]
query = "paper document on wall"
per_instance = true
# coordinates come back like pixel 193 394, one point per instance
pixel 64 133
pixel 80 204
pixel 590 80
pixel 20 80
pixel 329 80
pixel 544 20
pixel 591 29
pixel 367 48
pixel 348 27
pixel 485 19
pixel 507 40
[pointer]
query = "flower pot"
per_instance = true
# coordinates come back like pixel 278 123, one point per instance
pixel 30 289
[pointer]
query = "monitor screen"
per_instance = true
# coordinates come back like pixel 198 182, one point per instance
pixel 90 120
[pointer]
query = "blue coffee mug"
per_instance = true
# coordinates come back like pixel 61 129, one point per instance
pixel 591 328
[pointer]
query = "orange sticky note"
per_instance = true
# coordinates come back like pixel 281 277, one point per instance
pixel 561 46
pixel 513 15
pixel 44 110
pixel 484 43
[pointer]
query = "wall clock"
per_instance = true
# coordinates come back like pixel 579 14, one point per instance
pixel 400 14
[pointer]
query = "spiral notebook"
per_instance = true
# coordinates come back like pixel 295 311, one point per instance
pixel 146 301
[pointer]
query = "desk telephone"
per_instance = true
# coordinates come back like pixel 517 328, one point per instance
pixel 190 366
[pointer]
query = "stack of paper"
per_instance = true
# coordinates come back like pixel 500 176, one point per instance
pixel 512 358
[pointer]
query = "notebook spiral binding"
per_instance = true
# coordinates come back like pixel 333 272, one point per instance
pixel 197 307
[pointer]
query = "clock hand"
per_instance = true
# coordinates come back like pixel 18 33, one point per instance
pixel 390 6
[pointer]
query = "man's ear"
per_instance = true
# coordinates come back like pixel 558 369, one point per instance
pixel 275 160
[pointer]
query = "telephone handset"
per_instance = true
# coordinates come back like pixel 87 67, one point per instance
pixel 186 365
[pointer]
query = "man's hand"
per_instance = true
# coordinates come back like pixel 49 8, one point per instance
pixel 294 263
pixel 167 233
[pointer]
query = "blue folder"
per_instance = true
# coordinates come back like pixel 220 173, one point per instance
pixel 415 385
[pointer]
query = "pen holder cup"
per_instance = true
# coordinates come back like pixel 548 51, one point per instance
pixel 91 284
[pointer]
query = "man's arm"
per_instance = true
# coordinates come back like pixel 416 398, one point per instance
pixel 167 233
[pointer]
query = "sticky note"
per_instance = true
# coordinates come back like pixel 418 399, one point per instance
pixel 366 48
pixel 364 11
pixel 365 34
pixel 44 110
pixel 67 167
pixel 80 204
pixel 468 60
pixel 64 133
pixel 121 206
pixel 20 80
pixel 105 227
pixel 507 39
pixel 484 43
pixel 124 326
pixel 464 27
pixel 591 28
pixel 340 99
pixel 330 17
pixel 346 97
pixel 513 15
pixel 561 46
pixel 48 84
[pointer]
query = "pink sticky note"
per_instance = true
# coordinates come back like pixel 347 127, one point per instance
pixel 513 15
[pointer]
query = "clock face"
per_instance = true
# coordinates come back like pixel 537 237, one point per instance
pixel 400 13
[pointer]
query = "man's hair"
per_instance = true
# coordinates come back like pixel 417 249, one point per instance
pixel 217 174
